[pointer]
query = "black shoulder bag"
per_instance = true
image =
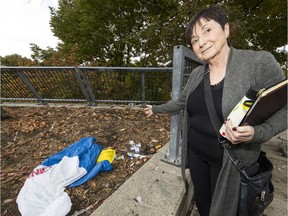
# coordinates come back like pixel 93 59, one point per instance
pixel 256 188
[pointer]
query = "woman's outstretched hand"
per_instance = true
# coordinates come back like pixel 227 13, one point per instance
pixel 148 110
pixel 239 134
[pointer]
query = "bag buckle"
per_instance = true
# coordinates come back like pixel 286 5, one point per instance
pixel 241 166
pixel 262 198
pixel 224 142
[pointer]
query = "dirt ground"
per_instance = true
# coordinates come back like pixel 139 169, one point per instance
pixel 31 134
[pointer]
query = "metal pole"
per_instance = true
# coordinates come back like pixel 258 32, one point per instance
pixel 173 155
pixel 78 74
pixel 27 82
pixel 143 87
pixel 180 55
pixel 88 86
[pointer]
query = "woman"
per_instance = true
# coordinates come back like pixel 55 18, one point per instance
pixel 231 71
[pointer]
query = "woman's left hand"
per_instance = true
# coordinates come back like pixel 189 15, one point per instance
pixel 239 134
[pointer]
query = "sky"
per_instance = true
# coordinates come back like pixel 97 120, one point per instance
pixel 24 22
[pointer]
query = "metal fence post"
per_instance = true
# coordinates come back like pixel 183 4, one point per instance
pixel 87 85
pixel 182 59
pixel 78 74
pixel 24 78
pixel 143 87
pixel 173 154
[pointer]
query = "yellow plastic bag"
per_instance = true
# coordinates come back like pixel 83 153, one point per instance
pixel 107 154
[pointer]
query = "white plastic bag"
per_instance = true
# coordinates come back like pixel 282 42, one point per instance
pixel 43 192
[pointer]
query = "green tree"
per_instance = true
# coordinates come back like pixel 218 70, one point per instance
pixel 260 25
pixel 114 32
pixel 143 33
pixel 55 57
pixel 15 60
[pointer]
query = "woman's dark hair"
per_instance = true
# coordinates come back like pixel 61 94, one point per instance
pixel 210 13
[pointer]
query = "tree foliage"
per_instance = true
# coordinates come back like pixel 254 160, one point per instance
pixel 15 60
pixel 115 32
pixel 260 25
pixel 55 57
pixel 144 32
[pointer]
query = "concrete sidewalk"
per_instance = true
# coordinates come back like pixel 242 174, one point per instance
pixel 157 188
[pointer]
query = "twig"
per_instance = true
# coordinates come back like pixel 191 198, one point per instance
pixel 86 209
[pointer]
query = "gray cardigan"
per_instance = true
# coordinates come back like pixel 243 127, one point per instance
pixel 245 68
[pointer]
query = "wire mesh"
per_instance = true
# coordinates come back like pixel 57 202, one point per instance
pixel 86 84
pixel 12 86
pixel 158 86
pixel 55 83
pixel 189 66
pixel 128 84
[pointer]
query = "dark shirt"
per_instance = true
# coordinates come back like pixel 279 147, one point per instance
pixel 202 139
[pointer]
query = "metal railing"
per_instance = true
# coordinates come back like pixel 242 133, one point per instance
pixel 86 84
pixel 92 85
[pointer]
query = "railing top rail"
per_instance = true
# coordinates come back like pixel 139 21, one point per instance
pixel 88 68
pixel 129 68
pixel 38 67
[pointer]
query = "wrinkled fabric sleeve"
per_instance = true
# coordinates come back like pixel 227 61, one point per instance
pixel 270 73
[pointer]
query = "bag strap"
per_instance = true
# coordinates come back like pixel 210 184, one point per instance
pixel 210 104
pixel 216 123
